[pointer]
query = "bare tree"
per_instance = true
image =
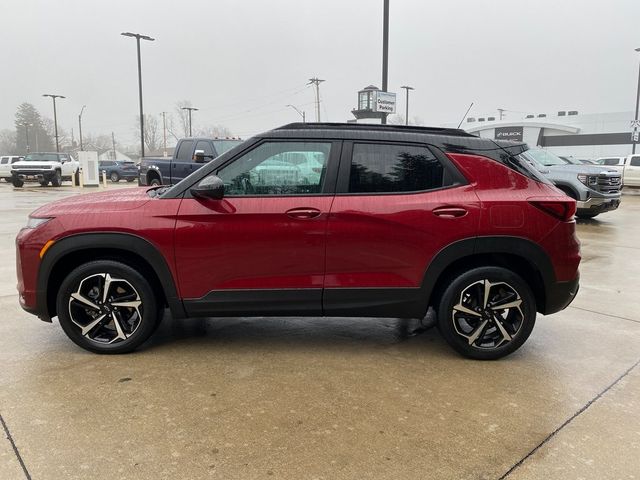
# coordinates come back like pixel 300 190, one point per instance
pixel 152 131
pixel 8 142
pixel 216 131
pixel 183 117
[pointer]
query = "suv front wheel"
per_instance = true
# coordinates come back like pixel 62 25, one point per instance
pixel 487 313
pixel 107 307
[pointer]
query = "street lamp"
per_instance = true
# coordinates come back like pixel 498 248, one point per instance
pixel 190 109
pixel 55 116
pixel 80 125
pixel 633 147
pixel 138 37
pixel 26 126
pixel 302 114
pixel 385 50
pixel 406 120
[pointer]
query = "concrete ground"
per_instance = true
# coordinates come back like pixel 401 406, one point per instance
pixel 334 398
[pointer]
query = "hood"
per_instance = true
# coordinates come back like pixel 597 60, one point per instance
pixel 587 169
pixel 114 201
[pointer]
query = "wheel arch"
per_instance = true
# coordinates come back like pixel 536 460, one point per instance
pixel 71 252
pixel 517 254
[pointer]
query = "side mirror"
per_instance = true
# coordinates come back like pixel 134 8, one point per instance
pixel 198 156
pixel 211 187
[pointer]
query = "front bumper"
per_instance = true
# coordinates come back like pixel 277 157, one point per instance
pixel 34 175
pixel 598 204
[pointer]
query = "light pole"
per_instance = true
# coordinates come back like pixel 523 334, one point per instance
pixel 385 50
pixel 138 37
pixel 633 147
pixel 190 109
pixel 55 116
pixel 407 88
pixel 302 114
pixel 80 126
pixel 26 126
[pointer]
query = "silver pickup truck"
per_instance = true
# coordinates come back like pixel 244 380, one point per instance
pixel 595 188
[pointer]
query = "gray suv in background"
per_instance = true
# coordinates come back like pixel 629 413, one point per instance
pixel 595 188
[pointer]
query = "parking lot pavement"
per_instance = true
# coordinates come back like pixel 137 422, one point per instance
pixel 331 398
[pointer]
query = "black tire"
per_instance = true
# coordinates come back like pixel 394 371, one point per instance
pixel 129 180
pixel 56 181
pixel 154 182
pixel 44 183
pixel 586 216
pixel 489 325
pixel 17 182
pixel 114 177
pixel 136 323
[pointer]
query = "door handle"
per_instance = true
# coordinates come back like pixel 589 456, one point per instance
pixel 450 212
pixel 303 213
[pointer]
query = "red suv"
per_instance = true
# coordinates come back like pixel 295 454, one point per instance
pixel 314 219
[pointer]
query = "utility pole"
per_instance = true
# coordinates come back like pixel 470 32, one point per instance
pixel 407 88
pixel 501 113
pixel 138 37
pixel 80 126
pixel 301 113
pixel 164 132
pixel 385 50
pixel 55 116
pixel 26 126
pixel 316 81
pixel 113 142
pixel 190 109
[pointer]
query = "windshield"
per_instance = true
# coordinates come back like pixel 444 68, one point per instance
pixel 570 160
pixel 543 157
pixel 41 157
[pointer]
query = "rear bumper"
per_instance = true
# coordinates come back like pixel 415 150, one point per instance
pixel 560 295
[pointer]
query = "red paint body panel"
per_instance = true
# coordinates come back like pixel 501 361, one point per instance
pixel 249 242
pixel 389 240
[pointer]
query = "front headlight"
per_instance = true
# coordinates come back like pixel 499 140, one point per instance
pixel 35 222
pixel 588 180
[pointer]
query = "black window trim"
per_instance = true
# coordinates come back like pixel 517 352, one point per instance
pixel 344 171
pixel 329 187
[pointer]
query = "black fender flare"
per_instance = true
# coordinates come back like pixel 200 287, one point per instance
pixel 108 240
pixel 527 250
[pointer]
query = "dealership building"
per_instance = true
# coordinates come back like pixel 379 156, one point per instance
pixel 567 133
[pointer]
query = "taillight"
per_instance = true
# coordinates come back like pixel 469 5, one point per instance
pixel 561 209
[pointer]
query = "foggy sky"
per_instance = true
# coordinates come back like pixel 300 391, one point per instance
pixel 241 62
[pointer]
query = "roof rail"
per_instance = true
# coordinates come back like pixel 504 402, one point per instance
pixel 373 126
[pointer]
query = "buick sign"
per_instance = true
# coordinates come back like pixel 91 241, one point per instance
pixel 509 133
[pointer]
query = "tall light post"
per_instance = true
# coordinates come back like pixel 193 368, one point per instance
pixel 190 109
pixel 139 37
pixel 301 113
pixel 385 50
pixel 55 116
pixel 26 127
pixel 80 126
pixel 633 148
pixel 407 88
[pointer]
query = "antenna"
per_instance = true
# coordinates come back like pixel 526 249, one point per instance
pixel 465 114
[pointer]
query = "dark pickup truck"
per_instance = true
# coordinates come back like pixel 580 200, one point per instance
pixel 189 155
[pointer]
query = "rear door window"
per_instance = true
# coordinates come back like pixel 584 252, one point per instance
pixel 635 162
pixel 4 160
pixel 378 168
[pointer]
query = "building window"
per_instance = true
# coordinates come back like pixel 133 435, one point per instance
pixel 364 100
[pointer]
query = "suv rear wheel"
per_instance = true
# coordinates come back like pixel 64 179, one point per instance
pixel 107 307
pixel 487 313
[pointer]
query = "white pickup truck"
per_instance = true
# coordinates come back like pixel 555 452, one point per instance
pixel 44 168
pixel 628 166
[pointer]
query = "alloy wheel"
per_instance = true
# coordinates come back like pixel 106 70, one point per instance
pixel 488 315
pixel 106 309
